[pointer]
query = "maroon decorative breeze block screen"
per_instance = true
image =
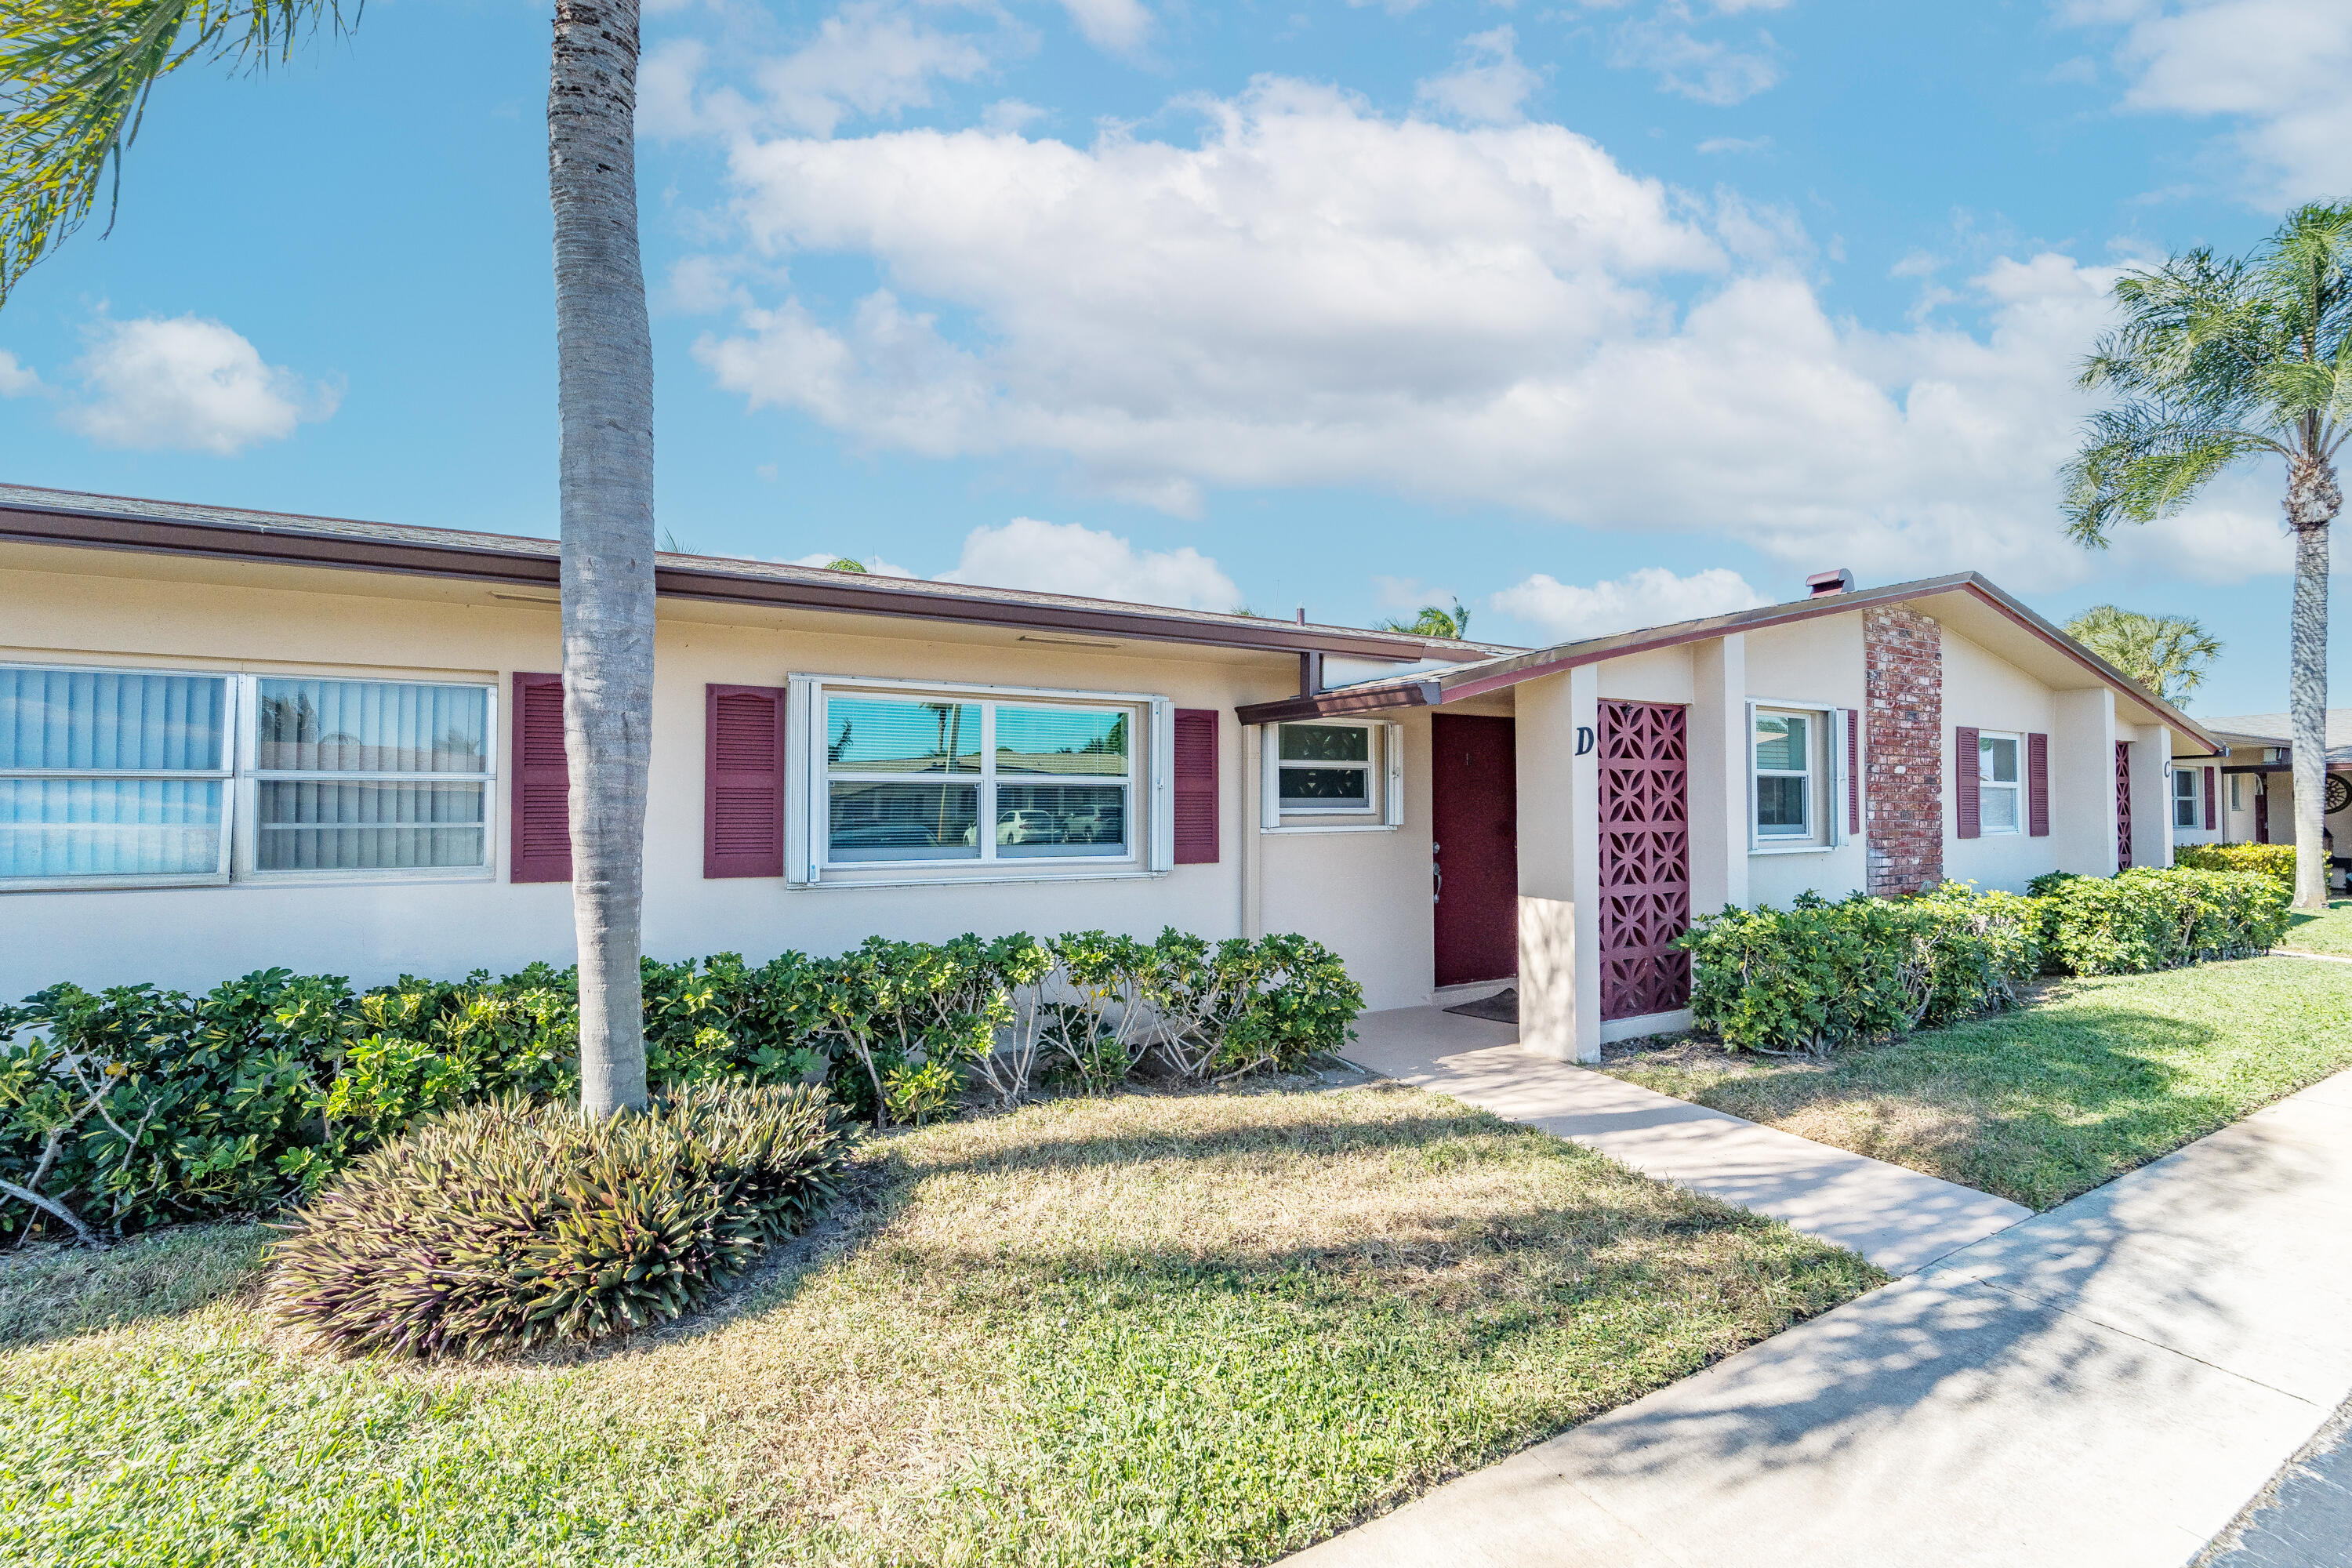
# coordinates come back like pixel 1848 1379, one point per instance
pixel 1644 857
pixel 539 784
pixel 2037 786
pixel 1968 795
pixel 2123 805
pixel 2211 805
pixel 1194 765
pixel 743 780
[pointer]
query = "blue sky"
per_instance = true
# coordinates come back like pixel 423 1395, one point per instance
pixel 1588 314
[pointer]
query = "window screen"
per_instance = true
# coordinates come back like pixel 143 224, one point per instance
pixel 112 774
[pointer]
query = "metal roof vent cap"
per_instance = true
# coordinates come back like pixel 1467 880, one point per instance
pixel 1838 582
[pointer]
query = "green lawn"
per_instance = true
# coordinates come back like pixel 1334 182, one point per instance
pixel 2096 1078
pixel 1140 1331
pixel 2330 932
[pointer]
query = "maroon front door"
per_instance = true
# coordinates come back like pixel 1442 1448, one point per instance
pixel 1644 857
pixel 1473 792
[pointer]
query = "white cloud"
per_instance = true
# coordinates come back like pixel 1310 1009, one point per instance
pixel 1008 114
pixel 1647 596
pixel 2276 68
pixel 871 58
pixel 1736 144
pixel 1487 84
pixel 1070 558
pixel 1314 295
pixel 188 384
pixel 16 379
pixel 1117 27
pixel 867 58
pixel 1707 71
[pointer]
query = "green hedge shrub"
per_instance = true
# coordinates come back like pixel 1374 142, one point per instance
pixel 1807 979
pixel 510 1223
pixel 136 1106
pixel 2263 860
pixel 2146 919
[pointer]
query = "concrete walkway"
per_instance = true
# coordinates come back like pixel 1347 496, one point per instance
pixel 1899 1219
pixel 2105 1385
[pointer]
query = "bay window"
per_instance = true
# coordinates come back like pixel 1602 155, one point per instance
pixel 167 777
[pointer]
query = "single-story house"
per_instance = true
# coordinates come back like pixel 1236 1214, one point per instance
pixel 2248 798
pixel 231 740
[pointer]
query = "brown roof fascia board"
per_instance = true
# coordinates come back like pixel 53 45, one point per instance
pixel 1289 709
pixel 503 559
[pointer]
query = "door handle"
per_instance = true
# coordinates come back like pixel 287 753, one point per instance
pixel 1437 872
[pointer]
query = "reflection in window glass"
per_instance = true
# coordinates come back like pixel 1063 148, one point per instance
pixel 371 727
pixel 109 827
pixel 1326 744
pixel 904 822
pixel 1997 784
pixel 354 824
pixel 1784 758
pixel 1071 743
pixel 1060 819
pixel 887 735
pixel 1325 767
pixel 121 722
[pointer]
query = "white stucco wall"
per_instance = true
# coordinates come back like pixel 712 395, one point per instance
pixel 1810 663
pixel 1984 692
pixel 1366 895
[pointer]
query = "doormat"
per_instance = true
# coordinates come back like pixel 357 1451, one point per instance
pixel 1502 1008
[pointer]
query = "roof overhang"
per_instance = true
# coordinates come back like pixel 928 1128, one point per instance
pixel 56 518
pixel 1965 601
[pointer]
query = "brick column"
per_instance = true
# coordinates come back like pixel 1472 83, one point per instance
pixel 1903 748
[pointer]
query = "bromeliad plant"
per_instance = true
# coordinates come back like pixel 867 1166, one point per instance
pixel 510 1223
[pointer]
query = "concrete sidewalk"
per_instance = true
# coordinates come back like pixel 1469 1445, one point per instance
pixel 2104 1387
pixel 1899 1219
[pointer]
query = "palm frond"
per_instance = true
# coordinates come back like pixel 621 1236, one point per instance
pixel 75 76
pixel 2141 461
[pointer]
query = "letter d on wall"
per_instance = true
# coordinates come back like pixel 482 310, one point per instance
pixel 1583 739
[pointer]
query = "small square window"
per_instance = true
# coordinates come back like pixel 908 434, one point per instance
pixel 1324 768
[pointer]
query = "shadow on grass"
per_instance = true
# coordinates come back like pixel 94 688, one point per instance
pixel 57 1292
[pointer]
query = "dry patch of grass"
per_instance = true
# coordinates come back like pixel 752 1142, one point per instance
pixel 1144 1329
pixel 2092 1079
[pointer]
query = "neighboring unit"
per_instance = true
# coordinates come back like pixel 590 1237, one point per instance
pixel 2247 796
pixel 231 740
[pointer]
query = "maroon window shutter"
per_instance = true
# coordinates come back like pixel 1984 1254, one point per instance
pixel 1852 771
pixel 1194 760
pixel 540 784
pixel 1965 793
pixel 743 780
pixel 2210 813
pixel 2037 786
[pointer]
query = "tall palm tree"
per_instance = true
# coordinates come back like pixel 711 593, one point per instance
pixel 2166 653
pixel 75 79
pixel 2217 361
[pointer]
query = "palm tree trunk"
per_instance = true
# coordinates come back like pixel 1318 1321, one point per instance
pixel 605 395
pixel 2311 502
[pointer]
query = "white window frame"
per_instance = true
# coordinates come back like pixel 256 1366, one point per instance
pixel 240 780
pixel 2017 786
pixel 2237 794
pixel 224 775
pixel 251 775
pixel 1826 776
pixel 1150 849
pixel 1383 811
pixel 2194 800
